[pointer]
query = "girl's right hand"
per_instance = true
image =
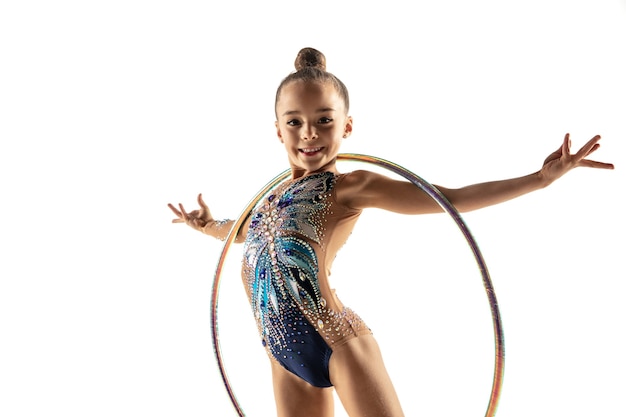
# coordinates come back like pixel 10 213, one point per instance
pixel 197 219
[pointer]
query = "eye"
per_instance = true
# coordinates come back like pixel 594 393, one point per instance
pixel 325 120
pixel 293 122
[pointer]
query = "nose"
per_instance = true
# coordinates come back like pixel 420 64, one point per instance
pixel 309 132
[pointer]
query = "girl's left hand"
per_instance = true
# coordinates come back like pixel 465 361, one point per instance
pixel 561 161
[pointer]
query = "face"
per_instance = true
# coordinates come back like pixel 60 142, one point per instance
pixel 312 123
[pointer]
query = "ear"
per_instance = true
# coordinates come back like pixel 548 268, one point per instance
pixel 347 130
pixel 278 132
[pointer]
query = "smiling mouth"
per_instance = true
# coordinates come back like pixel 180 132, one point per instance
pixel 310 151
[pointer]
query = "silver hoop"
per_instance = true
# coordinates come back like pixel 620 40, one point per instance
pixel 435 195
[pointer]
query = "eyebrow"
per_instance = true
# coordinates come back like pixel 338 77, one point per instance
pixel 320 110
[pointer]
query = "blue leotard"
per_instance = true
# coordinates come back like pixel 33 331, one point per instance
pixel 293 237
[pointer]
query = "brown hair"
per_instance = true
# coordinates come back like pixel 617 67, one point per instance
pixel 311 67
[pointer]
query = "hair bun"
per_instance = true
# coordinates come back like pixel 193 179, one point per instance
pixel 310 57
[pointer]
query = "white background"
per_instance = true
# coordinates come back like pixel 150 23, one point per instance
pixel 110 110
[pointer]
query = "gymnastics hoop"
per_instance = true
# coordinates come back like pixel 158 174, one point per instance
pixel 436 195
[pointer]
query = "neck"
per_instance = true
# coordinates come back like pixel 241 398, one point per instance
pixel 298 172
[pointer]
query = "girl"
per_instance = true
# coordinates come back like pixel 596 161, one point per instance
pixel 314 342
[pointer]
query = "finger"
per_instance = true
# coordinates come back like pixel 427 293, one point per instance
pixel 176 212
pixel 202 203
pixel 554 155
pixel 183 213
pixel 591 146
pixel 557 153
pixel 567 145
pixel 588 163
pixel 179 215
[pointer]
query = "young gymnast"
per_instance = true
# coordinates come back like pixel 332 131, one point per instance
pixel 314 342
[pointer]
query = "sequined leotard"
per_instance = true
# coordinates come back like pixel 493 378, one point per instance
pixel 292 240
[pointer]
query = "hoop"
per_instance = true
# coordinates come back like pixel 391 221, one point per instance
pixel 435 195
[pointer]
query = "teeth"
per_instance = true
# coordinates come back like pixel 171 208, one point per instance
pixel 308 150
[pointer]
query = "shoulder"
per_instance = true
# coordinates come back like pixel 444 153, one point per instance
pixel 364 178
pixel 354 186
pixel 354 179
pixel 366 189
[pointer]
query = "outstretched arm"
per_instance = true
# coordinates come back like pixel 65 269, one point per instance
pixel 367 189
pixel 203 221
pixel 555 166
